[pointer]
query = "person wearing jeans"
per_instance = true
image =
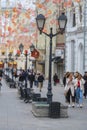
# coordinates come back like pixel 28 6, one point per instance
pixel 79 89
pixel 79 96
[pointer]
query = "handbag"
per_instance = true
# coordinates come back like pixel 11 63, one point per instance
pixel 66 90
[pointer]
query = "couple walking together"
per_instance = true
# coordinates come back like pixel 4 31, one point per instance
pixel 74 89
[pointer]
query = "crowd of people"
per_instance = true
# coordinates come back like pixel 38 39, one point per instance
pixel 75 88
pixel 33 78
pixel 75 85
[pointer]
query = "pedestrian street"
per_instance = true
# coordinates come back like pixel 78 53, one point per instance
pixel 15 114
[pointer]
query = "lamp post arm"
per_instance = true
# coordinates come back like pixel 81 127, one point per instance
pixel 45 33
pixel 50 35
pixel 59 32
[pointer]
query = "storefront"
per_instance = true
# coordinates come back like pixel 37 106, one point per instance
pixel 1 64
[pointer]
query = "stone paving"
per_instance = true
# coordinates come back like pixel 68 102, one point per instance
pixel 17 115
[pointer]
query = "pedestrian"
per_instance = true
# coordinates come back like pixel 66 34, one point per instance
pixel 21 85
pixel 79 90
pixel 36 80
pixel 64 78
pixel 31 78
pixel 85 85
pixel 69 89
pixel 1 74
pixel 55 79
pixel 40 81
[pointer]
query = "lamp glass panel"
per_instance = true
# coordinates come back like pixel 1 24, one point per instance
pixel 32 48
pixel 62 24
pixel 40 24
pixel 21 48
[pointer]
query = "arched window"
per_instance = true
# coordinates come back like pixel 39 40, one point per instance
pixel 74 19
pixel 72 16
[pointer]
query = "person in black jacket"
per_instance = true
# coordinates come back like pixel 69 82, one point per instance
pixel 64 78
pixel 55 79
pixel 31 78
pixel 40 81
pixel 1 74
pixel 85 85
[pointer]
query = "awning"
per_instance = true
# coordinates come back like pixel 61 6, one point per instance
pixel 41 62
pixel 35 53
pixel 58 60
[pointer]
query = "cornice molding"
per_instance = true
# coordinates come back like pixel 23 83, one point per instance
pixel 78 30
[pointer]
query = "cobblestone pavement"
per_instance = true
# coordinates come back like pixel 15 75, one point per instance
pixel 17 115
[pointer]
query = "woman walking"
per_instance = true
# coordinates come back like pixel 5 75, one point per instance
pixel 70 90
pixel 79 90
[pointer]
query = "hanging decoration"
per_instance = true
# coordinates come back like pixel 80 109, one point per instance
pixel 19 22
pixel 35 53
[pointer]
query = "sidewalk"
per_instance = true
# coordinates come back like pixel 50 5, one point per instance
pixel 16 115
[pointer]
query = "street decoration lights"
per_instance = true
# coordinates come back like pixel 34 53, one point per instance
pixel 62 21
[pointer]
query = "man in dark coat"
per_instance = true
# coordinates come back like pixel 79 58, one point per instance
pixel 31 78
pixel 85 85
pixel 55 78
pixel 1 74
pixel 40 81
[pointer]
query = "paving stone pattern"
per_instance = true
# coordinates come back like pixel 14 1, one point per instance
pixel 17 115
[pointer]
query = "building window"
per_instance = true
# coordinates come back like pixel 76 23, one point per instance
pixel 80 10
pixel 72 55
pixel 74 19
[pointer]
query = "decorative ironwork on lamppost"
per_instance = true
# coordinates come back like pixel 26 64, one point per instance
pixel 40 20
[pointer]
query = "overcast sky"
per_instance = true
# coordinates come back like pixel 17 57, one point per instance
pixel 25 3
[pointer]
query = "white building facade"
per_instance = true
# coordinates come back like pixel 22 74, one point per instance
pixel 76 38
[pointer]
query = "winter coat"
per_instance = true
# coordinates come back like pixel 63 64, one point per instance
pixel 40 78
pixel 82 82
pixel 85 78
pixel 31 77
pixel 70 85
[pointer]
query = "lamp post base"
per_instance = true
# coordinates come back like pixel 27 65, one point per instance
pixel 42 110
pixel 49 97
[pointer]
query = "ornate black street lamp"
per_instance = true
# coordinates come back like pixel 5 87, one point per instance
pixel 21 47
pixel 62 20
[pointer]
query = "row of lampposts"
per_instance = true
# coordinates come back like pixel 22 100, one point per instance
pixel 62 20
pixel 10 58
pixel 40 20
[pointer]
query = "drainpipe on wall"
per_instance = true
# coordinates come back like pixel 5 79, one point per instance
pixel 84 35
